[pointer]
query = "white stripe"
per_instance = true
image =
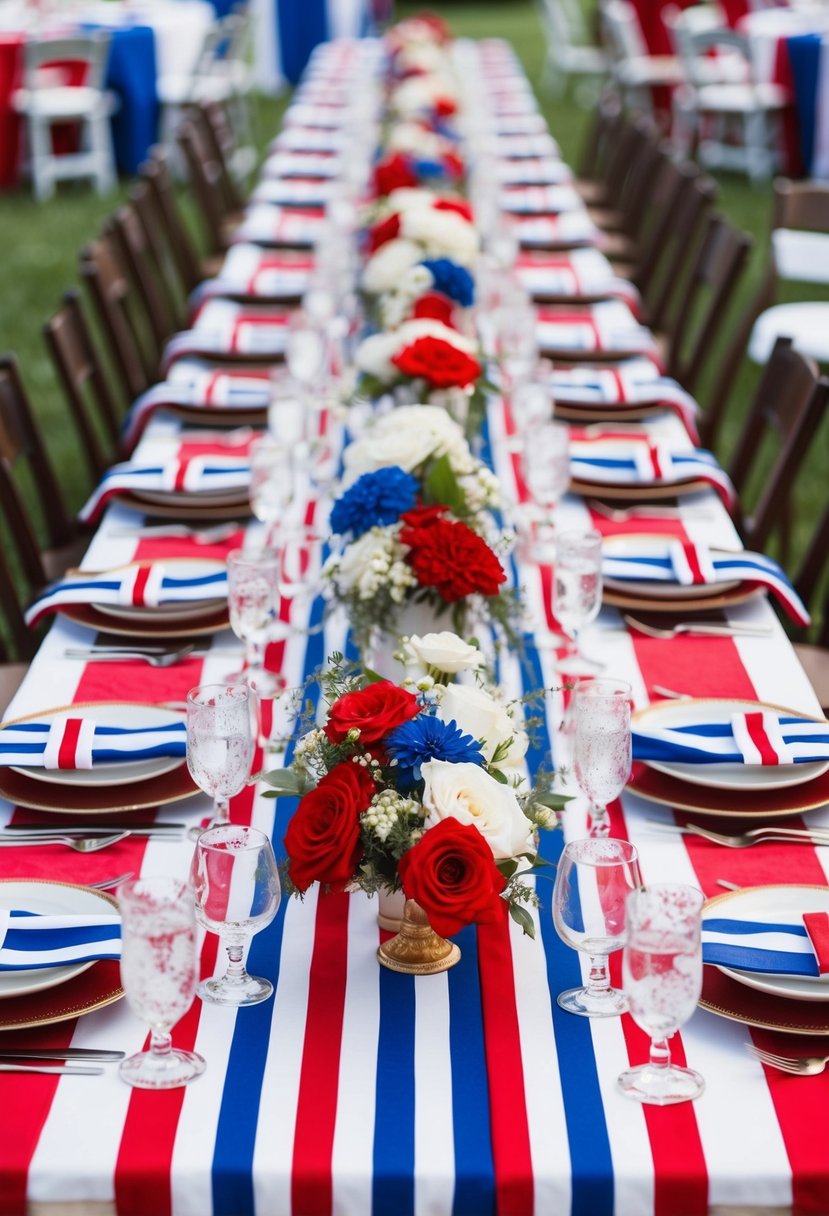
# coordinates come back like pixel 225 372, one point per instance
pixel 434 1147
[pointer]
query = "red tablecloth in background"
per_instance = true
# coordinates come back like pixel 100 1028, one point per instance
pixel 11 70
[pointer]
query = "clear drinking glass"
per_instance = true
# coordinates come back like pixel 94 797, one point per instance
pixel 577 591
pixel 301 565
pixel 307 351
pixel 219 744
pixel 601 744
pixel 271 484
pixel 593 880
pixel 547 472
pixel 662 979
pixel 253 594
pixel 158 971
pixel 237 890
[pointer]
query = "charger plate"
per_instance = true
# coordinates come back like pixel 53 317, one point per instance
pixel 670 791
pixel 636 491
pixel 148 627
pixel 726 599
pixel 21 790
pixel 95 988
pixel 728 999
pixel 54 898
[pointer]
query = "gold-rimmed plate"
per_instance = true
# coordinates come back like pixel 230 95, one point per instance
pixel 21 790
pixel 681 606
pixel 724 997
pixel 690 711
pixel 637 491
pixel 148 627
pixel 95 988
pixel 737 804
pixel 47 897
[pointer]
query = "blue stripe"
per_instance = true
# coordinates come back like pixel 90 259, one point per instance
pixel 765 962
pixel 393 1158
pixel 724 924
pixel 474 1168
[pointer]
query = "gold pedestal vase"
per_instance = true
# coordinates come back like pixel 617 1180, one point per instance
pixel 417 949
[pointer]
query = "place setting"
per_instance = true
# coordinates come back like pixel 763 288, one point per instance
pixel 604 331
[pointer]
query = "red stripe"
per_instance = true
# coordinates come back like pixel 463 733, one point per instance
pixel 210 387
pixel 757 733
pixel 509 1128
pixel 656 465
pixel 69 743
pixel 140 585
pixel 692 558
pixel 620 385
pixel 311 1181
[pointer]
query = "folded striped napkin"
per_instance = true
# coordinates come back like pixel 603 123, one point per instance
pixel 534 171
pixel 791 944
pixel 607 326
pixel 293 191
pixel 301 164
pixel 520 124
pixel 570 228
pixel 192 382
pixel 757 737
pixel 691 565
pixel 266 224
pixel 190 473
pixel 634 382
pixel 226 328
pixel 304 114
pixel 30 940
pixel 525 147
pixel 579 272
pixel 309 139
pixel 253 271
pixel 76 742
pixel 142 586
pixel 540 200
pixel 642 462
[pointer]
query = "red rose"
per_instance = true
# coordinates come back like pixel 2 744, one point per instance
pixel 435 305
pixel 383 232
pixel 453 164
pixel 444 107
pixel 454 204
pixel 437 361
pixel 450 872
pixel 323 838
pixel 374 711
pixel 453 559
pixel 393 173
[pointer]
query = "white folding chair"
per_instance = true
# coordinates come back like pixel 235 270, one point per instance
pixel 207 80
pixel 569 52
pixel 635 71
pixel 46 100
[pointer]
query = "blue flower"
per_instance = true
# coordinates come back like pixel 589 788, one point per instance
pixel 429 168
pixel 426 738
pixel 376 498
pixel 452 280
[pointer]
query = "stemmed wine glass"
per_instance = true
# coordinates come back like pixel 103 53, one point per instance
pixel 158 971
pixel 547 472
pixel 253 593
pixel 593 880
pixel 662 979
pixel 577 591
pixel 602 744
pixel 301 562
pixel 271 484
pixel 219 744
pixel 237 894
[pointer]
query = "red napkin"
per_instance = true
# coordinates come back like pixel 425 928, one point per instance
pixel 817 926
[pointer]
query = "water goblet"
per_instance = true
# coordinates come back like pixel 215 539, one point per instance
pixel 547 472
pixel 271 484
pixel 301 564
pixel 237 890
pixel 253 588
pixel 662 979
pixel 593 880
pixel 577 591
pixel 158 971
pixel 601 745
pixel 307 352
pixel 219 744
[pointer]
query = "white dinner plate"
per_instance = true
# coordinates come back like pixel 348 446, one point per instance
pixel 108 713
pixel 36 895
pixel 753 903
pixel 691 710
pixel 624 545
pixel 191 609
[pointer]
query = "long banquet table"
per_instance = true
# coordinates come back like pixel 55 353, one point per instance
pixel 359 1090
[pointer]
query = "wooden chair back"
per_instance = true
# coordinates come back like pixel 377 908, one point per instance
pixel 811 576
pixel 154 235
pixel 138 256
pixel 786 412
pixel 219 138
pixel 205 178
pixel 81 375
pixel 120 314
pixel 673 245
pixel 168 219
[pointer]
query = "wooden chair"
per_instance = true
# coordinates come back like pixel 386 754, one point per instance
pixel 218 134
pixel 84 382
pixel 166 218
pixel 121 314
pixel 17 642
pixel 205 178
pixel 786 411
pixel 625 220
pixel 809 580
pixel 147 272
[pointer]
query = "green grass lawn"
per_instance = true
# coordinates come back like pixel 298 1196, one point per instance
pixel 41 243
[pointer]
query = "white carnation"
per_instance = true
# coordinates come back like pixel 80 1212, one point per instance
pixel 441 232
pixel 384 268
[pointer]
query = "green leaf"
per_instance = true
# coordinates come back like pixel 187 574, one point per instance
pixel 285 782
pixel 442 487
pixel 497 775
pixel 555 802
pixel 371 676
pixel 522 917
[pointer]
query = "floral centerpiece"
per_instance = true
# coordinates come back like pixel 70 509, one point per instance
pixel 416 527
pixel 421 790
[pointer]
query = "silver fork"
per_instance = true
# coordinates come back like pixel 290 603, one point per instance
pixel 621 515
pixel 701 627
pixel 745 840
pixel 798 1066
pixel 106 883
pixel 119 654
pixel 81 844
pixel 200 536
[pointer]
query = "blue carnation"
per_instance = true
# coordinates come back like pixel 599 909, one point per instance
pixel 375 499
pixel 427 738
pixel 452 280
pixel 429 168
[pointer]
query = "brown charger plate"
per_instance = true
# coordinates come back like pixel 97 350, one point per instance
pixel 568 355
pixel 636 491
pixel 187 513
pixel 88 614
pixel 93 989
pixel 669 791
pixel 26 791
pixel 664 607
pixel 198 415
pixel 584 413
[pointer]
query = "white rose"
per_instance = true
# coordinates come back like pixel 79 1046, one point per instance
pixel 444 652
pixel 467 793
pixel 426 327
pixel 481 716
pixel 383 269
pixel 406 198
pixel 374 355
pixel 441 232
pixel 411 137
pixel 406 437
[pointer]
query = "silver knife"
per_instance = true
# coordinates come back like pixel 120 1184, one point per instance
pixel 62 1070
pixel 96 829
pixel 59 1053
